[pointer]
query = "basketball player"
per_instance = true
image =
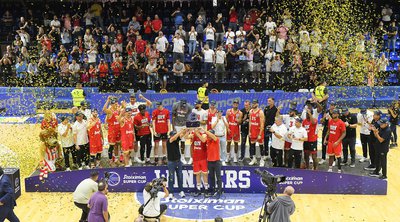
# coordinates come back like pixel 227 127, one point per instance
pixel 212 112
pixel 114 131
pixel 333 139
pixel 180 113
pixel 143 127
pixel 256 132
pixel 310 146
pixel 95 138
pixel 199 151
pixel 324 121
pixel 234 118
pixel 289 121
pixel 161 126
pixel 125 120
pixel 133 104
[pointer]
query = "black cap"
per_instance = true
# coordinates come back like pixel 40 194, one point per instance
pixel 158 103
pixel 183 101
pixel 213 102
pixel 142 107
pixel 292 110
pixel 172 133
pixel 84 103
pixel 235 101
pixel 383 121
pixel 198 102
pixel 345 109
pixel 114 100
pixel 133 95
pixel 128 109
pixel 298 120
pixel 63 118
pixel 255 100
pixel 335 111
pixel 78 113
pixel 363 110
pixel 377 112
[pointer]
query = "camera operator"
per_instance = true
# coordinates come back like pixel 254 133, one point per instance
pixel 282 207
pixel 83 192
pixel 98 204
pixel 153 208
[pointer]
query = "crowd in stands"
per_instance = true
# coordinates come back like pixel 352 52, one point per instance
pixel 153 43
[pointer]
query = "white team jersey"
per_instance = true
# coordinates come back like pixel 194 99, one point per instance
pixel 135 107
pixel 202 115
pixel 289 123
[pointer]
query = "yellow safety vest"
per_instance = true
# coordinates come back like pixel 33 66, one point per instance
pixel 320 92
pixel 77 96
pixel 201 94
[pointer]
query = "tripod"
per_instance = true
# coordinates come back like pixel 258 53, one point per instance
pixel 270 195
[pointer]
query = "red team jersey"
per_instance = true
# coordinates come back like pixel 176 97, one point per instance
pixel 114 131
pixel 127 135
pixel 139 120
pixel 160 120
pixel 95 139
pixel 255 124
pixel 209 118
pixel 199 149
pixel 336 128
pixel 232 119
pixel 311 128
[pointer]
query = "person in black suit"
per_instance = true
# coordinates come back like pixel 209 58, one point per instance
pixel 7 201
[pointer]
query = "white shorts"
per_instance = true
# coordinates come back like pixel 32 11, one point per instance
pixel 178 129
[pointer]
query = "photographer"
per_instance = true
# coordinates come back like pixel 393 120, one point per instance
pixel 282 207
pixel 152 198
pixel 83 192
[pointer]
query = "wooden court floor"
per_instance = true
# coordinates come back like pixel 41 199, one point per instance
pixel 50 207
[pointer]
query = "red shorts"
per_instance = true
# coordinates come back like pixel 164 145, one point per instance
pixel 114 135
pixel 233 135
pixel 95 149
pixel 254 138
pixel 200 166
pixel 127 147
pixel 287 145
pixel 334 151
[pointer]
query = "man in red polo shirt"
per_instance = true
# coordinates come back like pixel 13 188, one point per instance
pixel 310 146
pixel 199 153
pixel 214 162
pixel 161 125
pixel 337 131
pixel 140 45
pixel 156 25
pixel 143 126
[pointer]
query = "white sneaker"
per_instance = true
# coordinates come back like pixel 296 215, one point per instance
pixel 170 196
pixel 223 163
pixel 322 161
pixel 329 170
pixel 334 163
pixel 339 171
pixel 137 160
pixel 235 160
pixel 253 161
pixel 262 163
pixel 363 159
pixel 182 194
pixel 80 168
pixel 183 160
pixel 129 165
pixel 68 169
pixel 190 161
pixel 311 161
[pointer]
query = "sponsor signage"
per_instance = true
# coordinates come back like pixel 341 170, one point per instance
pixel 235 179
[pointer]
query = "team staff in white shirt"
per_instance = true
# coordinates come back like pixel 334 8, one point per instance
pixel 298 135
pixel 81 140
pixel 364 119
pixel 278 131
pixel 67 141
pixel 220 125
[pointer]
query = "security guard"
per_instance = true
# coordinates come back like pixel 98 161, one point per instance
pixel 202 95
pixel 321 94
pixel 78 95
